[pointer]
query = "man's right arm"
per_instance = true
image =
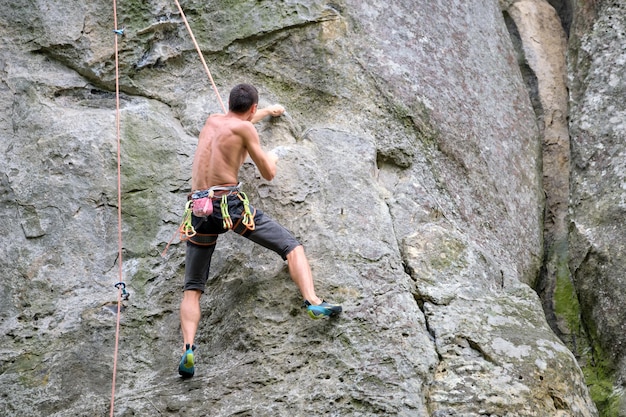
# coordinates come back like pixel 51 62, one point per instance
pixel 265 162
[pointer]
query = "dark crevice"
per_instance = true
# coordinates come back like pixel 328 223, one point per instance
pixel 476 346
pixel 419 300
pixel 565 11
pixel 555 181
pixel 559 403
pixel 408 269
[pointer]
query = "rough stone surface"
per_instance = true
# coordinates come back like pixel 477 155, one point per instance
pixel 598 206
pixel 411 171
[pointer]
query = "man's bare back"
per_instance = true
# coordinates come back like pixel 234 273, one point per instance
pixel 223 145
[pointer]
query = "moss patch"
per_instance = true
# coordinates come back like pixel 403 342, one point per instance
pixel 596 366
pixel 566 305
pixel 600 380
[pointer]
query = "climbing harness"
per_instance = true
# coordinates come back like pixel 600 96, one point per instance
pixel 200 204
pixel 203 200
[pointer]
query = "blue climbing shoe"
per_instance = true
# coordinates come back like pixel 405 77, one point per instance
pixel 186 366
pixel 323 310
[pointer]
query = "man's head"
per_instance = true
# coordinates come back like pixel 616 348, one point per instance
pixel 242 98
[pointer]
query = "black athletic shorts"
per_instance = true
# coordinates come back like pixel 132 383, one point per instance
pixel 267 233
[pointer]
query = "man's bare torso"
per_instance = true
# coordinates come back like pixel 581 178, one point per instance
pixel 220 153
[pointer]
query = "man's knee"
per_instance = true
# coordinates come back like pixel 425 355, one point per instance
pixel 192 295
pixel 295 252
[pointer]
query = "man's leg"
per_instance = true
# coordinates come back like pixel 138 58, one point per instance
pixel 197 266
pixel 300 272
pixel 190 316
pixel 273 236
pixel 198 254
pixel 189 319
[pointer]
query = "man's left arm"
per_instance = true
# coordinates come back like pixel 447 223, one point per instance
pixel 273 110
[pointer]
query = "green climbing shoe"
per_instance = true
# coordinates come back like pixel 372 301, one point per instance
pixel 186 367
pixel 323 310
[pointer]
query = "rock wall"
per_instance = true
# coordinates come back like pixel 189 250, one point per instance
pixel 411 171
pixel 598 200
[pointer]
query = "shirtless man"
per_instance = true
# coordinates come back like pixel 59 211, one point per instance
pixel 224 144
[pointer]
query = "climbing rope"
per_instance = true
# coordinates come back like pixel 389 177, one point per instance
pixel 120 285
pixel 186 229
pixel 206 68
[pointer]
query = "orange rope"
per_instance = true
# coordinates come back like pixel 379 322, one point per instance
pixel 121 287
pixel 182 231
pixel 206 68
pixel 119 207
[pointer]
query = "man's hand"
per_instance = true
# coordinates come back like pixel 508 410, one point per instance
pixel 275 110
pixel 272 157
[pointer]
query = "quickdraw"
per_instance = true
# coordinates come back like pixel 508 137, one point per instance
pixel 122 287
pixel 186 229
pixel 247 218
pixel 227 222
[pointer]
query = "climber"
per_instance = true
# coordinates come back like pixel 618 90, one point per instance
pixel 218 205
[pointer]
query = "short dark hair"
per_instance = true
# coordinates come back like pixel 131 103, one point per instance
pixel 242 97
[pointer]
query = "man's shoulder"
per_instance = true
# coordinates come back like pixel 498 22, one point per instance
pixel 242 127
